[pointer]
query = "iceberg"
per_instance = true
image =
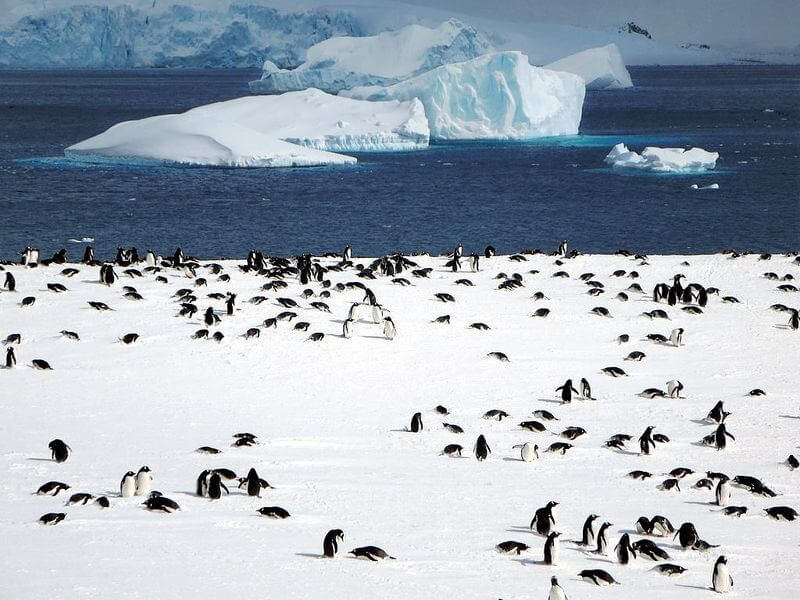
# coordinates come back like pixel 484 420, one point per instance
pixel 307 128
pixel 662 160
pixel 601 68
pixel 344 62
pixel 495 96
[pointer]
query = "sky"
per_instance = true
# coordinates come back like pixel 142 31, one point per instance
pixel 726 23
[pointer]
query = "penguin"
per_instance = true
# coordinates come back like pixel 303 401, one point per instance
pixel 52 488
pixel 372 553
pixel 253 483
pixel 646 443
pixel 562 248
pixel 624 549
pixel 11 358
pixel 330 545
pixel 551 549
pixel 377 316
pixel 720 437
pixel 674 388
pixel 452 450
pixel 348 328
pixel 202 483
pixel 215 486
pixel 52 518
pixel 717 414
pixel 721 580
pixel 88 255
pixel 352 314
pixel 144 481
pixel 566 391
pixel 687 535
pixel 150 258
pixel 597 577
pixel 489 252
pixel 587 538
pixel 388 328
pixel 794 319
pixel 481 449
pixel 10 283
pixel 474 262
pixel 347 256
pixel 161 503
pixel 210 318
pixel 512 547
pixel 602 541
pixel 723 492
pixel 127 487
pixel 59 451
pixel 556 591
pixel 416 423
pixel 543 520
pixel 676 337
pixel 586 389
pixel 528 452
pixel 230 301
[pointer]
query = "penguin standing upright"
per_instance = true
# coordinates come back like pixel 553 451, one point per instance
pixel 586 389
pixel 602 540
pixel 475 262
pixel 253 483
pixel 150 258
pixel 566 391
pixel 528 452
pixel 794 319
pixel 551 549
pixel 687 535
pixel 482 450
pixel 202 483
pixel 721 580
pixel 646 442
pixel 674 388
pixel 347 255
pixel 543 520
pixel 676 337
pixel 352 314
pixel 723 492
pixel 11 358
pixel 562 248
pixel 215 486
pixel 347 328
pixel 556 591
pixel 144 481
pixel 88 255
pixel 416 422
pixel 230 301
pixel 330 545
pixel 587 539
pixel 389 329
pixel 10 283
pixel 720 437
pixel 377 313
pixel 127 487
pixel 624 549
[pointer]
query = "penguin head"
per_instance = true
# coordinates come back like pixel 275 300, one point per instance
pixel 552 504
pixel 554 580
pixel 130 474
pixel 144 469
pixel 722 560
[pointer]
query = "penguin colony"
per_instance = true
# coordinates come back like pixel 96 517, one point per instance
pixel 342 290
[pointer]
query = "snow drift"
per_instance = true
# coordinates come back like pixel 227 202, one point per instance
pixel 495 96
pixel 663 160
pixel 345 62
pixel 601 68
pixel 293 129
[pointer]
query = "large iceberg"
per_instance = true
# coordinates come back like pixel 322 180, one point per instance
pixel 295 129
pixel 495 96
pixel 662 160
pixel 341 63
pixel 601 68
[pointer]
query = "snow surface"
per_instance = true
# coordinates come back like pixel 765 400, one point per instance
pixel 601 68
pixel 330 416
pixel 494 96
pixel 345 62
pixel 293 129
pixel 662 160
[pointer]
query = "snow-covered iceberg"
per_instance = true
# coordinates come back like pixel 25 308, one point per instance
pixel 495 96
pixel 345 62
pixel 662 160
pixel 294 129
pixel 601 68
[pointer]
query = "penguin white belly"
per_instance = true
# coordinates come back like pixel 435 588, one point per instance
pixel 556 593
pixel 527 452
pixel 722 579
pixel 389 330
pixel 376 313
pixel 128 487
pixel 555 552
pixel 144 484
pixel 723 494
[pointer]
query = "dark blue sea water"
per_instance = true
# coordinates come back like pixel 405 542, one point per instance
pixel 511 195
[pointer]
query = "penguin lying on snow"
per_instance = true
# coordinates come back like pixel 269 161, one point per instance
pixel 372 553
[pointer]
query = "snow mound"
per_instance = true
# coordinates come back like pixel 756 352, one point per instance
pixel 601 68
pixel 345 62
pixel 495 96
pixel 663 160
pixel 294 129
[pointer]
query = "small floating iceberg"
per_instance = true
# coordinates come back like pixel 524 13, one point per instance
pixel 713 186
pixel 662 160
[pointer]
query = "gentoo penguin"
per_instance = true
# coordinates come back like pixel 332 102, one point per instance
pixel 253 483
pixel 416 422
pixel 586 389
pixel 566 391
pixel 11 358
pixel 157 502
pixel 543 520
pixel 216 487
pixel 721 580
pixel 528 452
pixel 687 535
pixel 562 248
pixel 474 262
pixel 352 314
pixel 674 388
pixel 210 318
pixel 597 577
pixel 330 545
pixel 551 549
pixel 127 487
pixel 377 315
pixel 481 449
pixel 347 328
pixel 587 539
pixel 144 481
pixel 347 256
pixel 59 451
pixel 624 549
pixel 10 283
pixel 723 492
pixel 489 252
pixel 372 553
pixel 676 337
pixel 388 328
pixel 720 437
pixel 602 540
pixel 150 258
pixel 52 488
pixel 88 255
pixel 202 483
pixel 556 592
pixel 52 518
pixel 230 302
pixel 717 414
pixel 646 443
pixel 794 319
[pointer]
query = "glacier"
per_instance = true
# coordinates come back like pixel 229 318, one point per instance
pixel 601 68
pixel 495 96
pixel 305 128
pixel 345 62
pixel 662 160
